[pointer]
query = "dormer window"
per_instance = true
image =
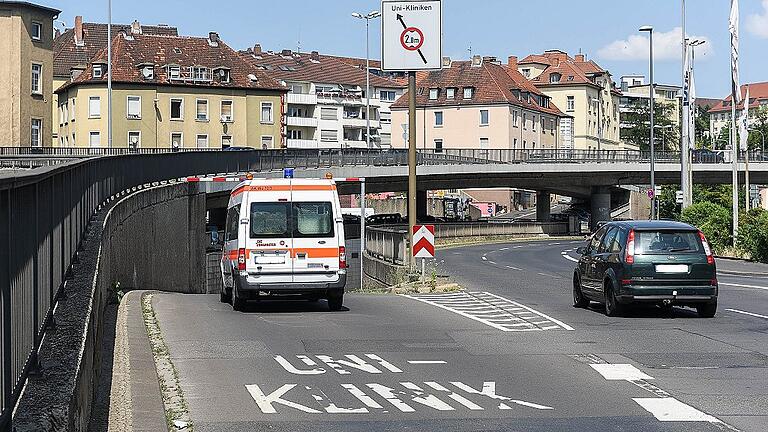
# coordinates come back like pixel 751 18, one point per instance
pixel 148 72
pixel 516 93
pixel 433 93
pixel 469 92
pixel 555 78
pixel 224 75
pixel 450 93
pixel 174 72
pixel 200 73
pixel 527 72
pixel 37 31
pixel 98 71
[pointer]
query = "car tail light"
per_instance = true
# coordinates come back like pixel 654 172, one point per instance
pixel 707 249
pixel 626 281
pixel 713 282
pixel 241 259
pixel 342 257
pixel 629 253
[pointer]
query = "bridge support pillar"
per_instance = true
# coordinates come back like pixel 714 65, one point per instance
pixel 600 205
pixel 421 205
pixel 543 208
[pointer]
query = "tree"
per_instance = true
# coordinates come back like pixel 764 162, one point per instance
pixel 703 139
pixel 713 220
pixel 637 129
pixel 755 141
pixel 753 234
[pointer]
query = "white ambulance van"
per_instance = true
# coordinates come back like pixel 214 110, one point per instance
pixel 284 239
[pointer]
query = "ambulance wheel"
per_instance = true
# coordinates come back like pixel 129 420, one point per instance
pixel 335 300
pixel 238 303
pixel 225 296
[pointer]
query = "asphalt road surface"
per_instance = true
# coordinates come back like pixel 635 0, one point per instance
pixel 509 353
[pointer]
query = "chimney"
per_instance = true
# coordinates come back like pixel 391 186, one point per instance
pixel 286 52
pixel 213 39
pixel 446 62
pixel 136 27
pixel 314 56
pixel 512 62
pixel 477 61
pixel 257 49
pixel 489 59
pixel 580 57
pixel 79 30
pixel 555 61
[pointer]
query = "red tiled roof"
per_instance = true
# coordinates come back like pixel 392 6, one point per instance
pixel 758 94
pixel 571 72
pixel 66 54
pixel 359 62
pixel 707 102
pixel 130 52
pixel 324 69
pixel 493 84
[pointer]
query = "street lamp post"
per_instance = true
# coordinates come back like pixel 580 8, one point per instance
pixel 649 29
pixel 367 18
pixel 688 199
pixel 109 73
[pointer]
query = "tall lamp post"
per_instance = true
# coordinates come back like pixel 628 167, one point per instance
pixel 367 18
pixel 109 73
pixel 693 110
pixel 651 92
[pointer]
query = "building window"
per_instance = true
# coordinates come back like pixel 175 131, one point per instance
pixel 450 93
pixel 98 72
pixel 224 76
pixel 329 113
pixel 552 126
pixel 37 74
pixel 385 117
pixel 174 72
pixel 134 139
pixel 148 72
pixel 226 141
pixel 329 136
pixel 177 109
pixel 64 113
pixel 484 118
pixel 554 77
pixel 226 111
pixel 387 95
pixel 515 118
pixel 438 146
pixel 202 141
pixel 74 143
pixel 570 103
pixel 527 72
pixel 200 74
pixel 37 31
pixel 469 92
pixel 202 110
pixel 433 93
pixel 134 107
pixel 484 143
pixel 294 134
pixel 525 119
pixel 94 139
pixel 72 111
pixel 266 112
pixel 94 107
pixel 533 124
pixel 266 141
pixel 36 133
pixel 177 140
pixel 438 118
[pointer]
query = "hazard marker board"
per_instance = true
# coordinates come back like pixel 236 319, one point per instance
pixel 411 35
pixel 423 241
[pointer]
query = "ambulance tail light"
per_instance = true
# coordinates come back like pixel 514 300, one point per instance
pixel 342 257
pixel 241 259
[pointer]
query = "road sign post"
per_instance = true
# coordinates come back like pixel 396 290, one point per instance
pixel 411 40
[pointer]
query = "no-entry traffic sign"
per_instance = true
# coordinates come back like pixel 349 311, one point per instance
pixel 423 241
pixel 411 35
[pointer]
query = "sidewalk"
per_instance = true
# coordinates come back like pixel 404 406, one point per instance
pixel 741 267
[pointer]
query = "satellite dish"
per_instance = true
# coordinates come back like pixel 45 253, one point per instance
pixel 252 77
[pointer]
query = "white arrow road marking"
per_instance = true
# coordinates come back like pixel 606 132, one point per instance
pixel 747 313
pixel 620 372
pixel 672 410
pixel 265 401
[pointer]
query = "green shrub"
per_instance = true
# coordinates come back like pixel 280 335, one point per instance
pixel 713 220
pixel 753 234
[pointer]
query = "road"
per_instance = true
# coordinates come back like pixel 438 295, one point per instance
pixel 509 353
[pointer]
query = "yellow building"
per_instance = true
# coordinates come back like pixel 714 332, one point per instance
pixel 26 73
pixel 169 92
pixel 583 90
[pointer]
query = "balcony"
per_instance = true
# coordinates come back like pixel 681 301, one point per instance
pixel 301 143
pixel 358 123
pixel 344 98
pixel 355 144
pixel 301 121
pixel 301 99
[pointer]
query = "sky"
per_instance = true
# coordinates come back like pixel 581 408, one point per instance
pixel 604 30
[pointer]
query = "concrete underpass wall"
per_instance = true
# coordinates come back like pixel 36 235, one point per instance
pixel 155 240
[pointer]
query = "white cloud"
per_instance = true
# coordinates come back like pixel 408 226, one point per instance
pixel 666 46
pixel 758 24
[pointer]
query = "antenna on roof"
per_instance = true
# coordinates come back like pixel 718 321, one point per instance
pixel 470 50
pixel 298 43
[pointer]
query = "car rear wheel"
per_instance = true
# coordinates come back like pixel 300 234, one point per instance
pixel 238 303
pixel 612 306
pixel 579 300
pixel 707 310
pixel 335 300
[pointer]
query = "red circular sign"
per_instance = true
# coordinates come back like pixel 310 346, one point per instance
pixel 411 41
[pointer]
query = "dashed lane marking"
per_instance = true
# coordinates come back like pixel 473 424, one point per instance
pixel 744 286
pixel 493 310
pixel 566 254
pixel 747 313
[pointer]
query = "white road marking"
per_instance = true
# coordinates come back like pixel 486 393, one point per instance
pixel 672 410
pixel 620 372
pixel 503 249
pixel 426 362
pixel 484 258
pixel 491 262
pixel 747 313
pixel 265 401
pixel 494 311
pixel 513 268
pixel 568 257
pixel 745 286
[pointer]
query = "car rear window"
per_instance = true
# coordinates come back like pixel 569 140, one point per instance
pixel 665 242
pixel 270 220
pixel 313 219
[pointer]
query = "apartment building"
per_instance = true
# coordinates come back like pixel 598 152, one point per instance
pixel 584 90
pixel 478 104
pixel 720 113
pixel 635 91
pixel 74 48
pixel 326 105
pixel 26 71
pixel 171 91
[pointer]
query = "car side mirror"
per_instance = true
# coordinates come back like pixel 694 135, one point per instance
pixel 581 250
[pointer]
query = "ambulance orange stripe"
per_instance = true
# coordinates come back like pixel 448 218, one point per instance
pixel 311 252
pixel 282 188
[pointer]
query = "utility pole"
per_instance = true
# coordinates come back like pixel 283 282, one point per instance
pixel 367 18
pixel 109 74
pixel 652 92
pixel 685 181
pixel 411 161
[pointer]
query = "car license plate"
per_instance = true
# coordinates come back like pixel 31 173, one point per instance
pixel 270 260
pixel 671 268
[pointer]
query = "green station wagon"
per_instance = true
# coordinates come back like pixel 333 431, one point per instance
pixel 661 262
